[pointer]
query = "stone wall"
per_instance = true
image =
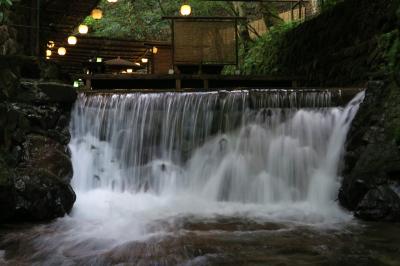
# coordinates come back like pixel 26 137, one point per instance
pixel 35 166
pixel 341 46
pixel 371 184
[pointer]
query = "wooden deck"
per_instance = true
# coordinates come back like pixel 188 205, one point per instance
pixel 184 81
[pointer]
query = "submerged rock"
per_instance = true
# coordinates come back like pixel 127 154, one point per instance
pixel 381 203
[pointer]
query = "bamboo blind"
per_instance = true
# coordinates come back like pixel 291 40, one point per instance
pixel 205 42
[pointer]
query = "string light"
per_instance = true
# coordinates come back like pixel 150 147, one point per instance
pixel 50 44
pixel 83 29
pixel 62 51
pixel 72 40
pixel 186 10
pixel 97 13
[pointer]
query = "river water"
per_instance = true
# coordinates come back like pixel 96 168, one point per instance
pixel 228 178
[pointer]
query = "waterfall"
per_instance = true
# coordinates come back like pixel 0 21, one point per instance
pixel 140 157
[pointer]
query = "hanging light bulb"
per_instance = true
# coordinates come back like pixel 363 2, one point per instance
pixel 83 29
pixel 186 10
pixel 112 1
pixel 62 51
pixel 72 40
pixel 145 60
pixel 48 53
pixel 97 13
pixel 129 70
pixel 50 44
pixel 155 50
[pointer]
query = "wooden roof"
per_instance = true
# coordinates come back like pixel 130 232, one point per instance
pixel 60 19
pixel 92 47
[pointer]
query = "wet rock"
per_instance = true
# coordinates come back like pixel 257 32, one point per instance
pixel 38 188
pixel 8 83
pixel 46 154
pixel 372 158
pixel 381 203
pixel 35 165
pixel 33 91
pixel 58 92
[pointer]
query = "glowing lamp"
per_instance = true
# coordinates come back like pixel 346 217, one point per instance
pixel 62 51
pixel 186 10
pixel 99 60
pixel 97 13
pixel 145 60
pixel 50 44
pixel 83 29
pixel 72 40
pixel 129 70
pixel 48 53
pixel 155 50
pixel 112 1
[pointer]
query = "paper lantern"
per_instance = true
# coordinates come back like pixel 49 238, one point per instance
pixel 72 40
pixel 112 1
pixel 51 44
pixel 145 60
pixel 186 10
pixel 129 70
pixel 155 50
pixel 62 51
pixel 97 13
pixel 48 53
pixel 83 29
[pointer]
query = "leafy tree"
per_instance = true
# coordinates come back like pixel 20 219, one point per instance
pixel 142 19
pixel 4 4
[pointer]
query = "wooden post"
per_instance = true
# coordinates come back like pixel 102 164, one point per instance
pixel 178 84
pixel 291 11
pixel 173 44
pixel 206 84
pixel 37 48
pixel 88 83
pixel 300 11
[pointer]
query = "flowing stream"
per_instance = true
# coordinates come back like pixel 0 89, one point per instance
pixel 201 178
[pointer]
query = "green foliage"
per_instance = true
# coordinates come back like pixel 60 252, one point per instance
pixel 142 19
pixel 328 4
pixel 389 44
pixel 4 4
pixel 263 55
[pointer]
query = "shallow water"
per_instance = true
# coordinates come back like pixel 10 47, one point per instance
pixel 221 240
pixel 202 179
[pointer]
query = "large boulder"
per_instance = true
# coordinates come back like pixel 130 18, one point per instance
pixel 371 176
pixel 35 165
pixel 41 183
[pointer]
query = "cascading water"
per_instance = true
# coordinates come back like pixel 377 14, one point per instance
pixel 229 147
pixel 154 171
